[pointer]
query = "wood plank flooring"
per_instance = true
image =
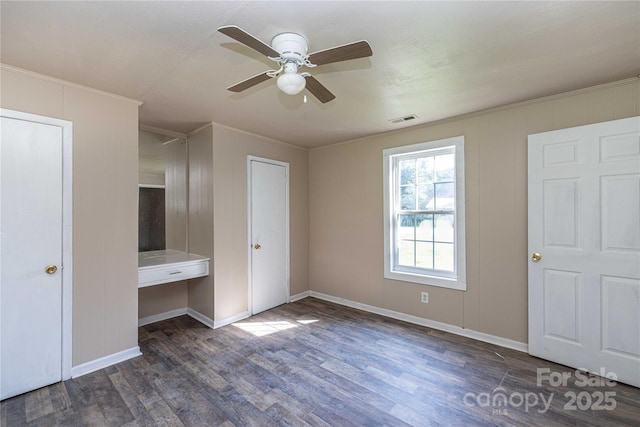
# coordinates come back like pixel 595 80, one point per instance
pixel 314 363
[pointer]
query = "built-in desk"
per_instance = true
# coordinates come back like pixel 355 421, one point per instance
pixel 158 267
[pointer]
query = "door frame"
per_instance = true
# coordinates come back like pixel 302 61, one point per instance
pixel 67 228
pixel 251 158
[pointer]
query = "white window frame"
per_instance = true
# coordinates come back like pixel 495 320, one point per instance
pixel 457 280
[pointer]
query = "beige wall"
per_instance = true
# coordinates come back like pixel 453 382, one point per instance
pixel 201 231
pixel 158 299
pixel 105 206
pixel 151 158
pixel 218 224
pixel 176 190
pixel 230 151
pixel 346 211
pixel 218 212
pixel 170 171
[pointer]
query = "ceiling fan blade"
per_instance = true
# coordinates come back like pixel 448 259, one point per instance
pixel 247 39
pixel 318 90
pixel 345 52
pixel 250 82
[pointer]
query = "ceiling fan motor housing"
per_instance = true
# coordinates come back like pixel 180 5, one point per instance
pixel 290 46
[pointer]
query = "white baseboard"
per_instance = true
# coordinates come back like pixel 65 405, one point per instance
pixel 162 316
pixel 480 336
pixel 230 320
pixel 301 295
pixel 175 313
pixel 103 362
pixel 200 317
pixel 214 324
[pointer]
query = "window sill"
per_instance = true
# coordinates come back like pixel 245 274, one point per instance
pixel 426 280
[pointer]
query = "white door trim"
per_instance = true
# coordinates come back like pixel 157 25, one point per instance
pixel 251 158
pixel 67 227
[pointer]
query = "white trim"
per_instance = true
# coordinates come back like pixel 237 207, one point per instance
pixel 389 185
pixel 161 131
pixel 105 361
pixel 276 141
pixel 161 316
pixel 67 228
pixel 67 83
pixel 229 320
pixel 201 128
pixel 301 295
pixel 457 330
pixel 250 159
pixel 152 186
pixel 207 321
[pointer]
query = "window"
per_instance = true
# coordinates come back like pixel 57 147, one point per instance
pixel 424 213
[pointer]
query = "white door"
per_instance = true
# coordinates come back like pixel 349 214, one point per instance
pixel 31 254
pixel 584 232
pixel 268 233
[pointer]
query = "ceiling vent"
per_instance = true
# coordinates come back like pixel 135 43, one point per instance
pixel 404 119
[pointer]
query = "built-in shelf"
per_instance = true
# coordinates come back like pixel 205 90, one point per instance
pixel 165 266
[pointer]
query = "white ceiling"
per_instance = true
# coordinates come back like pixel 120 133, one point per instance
pixel 432 59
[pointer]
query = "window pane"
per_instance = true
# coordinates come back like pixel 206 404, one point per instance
pixel 445 196
pixel 424 255
pixel 406 253
pixel 424 227
pixel 424 167
pixel 407 171
pixel 406 230
pixel 425 196
pixel 445 167
pixel 444 228
pixel 443 256
pixel 408 197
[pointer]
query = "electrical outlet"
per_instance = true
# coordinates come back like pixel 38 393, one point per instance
pixel 425 297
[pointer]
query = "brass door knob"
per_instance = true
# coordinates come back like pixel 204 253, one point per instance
pixel 536 257
pixel 257 246
pixel 50 269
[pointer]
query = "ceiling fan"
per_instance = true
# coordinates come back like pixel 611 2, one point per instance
pixel 289 51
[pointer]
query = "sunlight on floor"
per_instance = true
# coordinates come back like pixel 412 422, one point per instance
pixel 261 329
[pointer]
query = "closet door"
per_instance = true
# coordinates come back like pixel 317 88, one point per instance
pixel 31 255
pixel 269 234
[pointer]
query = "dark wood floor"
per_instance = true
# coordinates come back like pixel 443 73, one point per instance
pixel 317 363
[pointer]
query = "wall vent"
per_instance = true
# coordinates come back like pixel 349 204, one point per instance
pixel 404 119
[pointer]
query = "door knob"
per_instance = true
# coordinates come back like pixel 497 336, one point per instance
pixel 50 269
pixel 536 257
pixel 257 246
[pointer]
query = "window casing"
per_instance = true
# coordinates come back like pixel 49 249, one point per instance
pixel 424 213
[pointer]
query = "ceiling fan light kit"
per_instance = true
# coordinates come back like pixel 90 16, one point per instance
pixel 289 51
pixel 290 82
